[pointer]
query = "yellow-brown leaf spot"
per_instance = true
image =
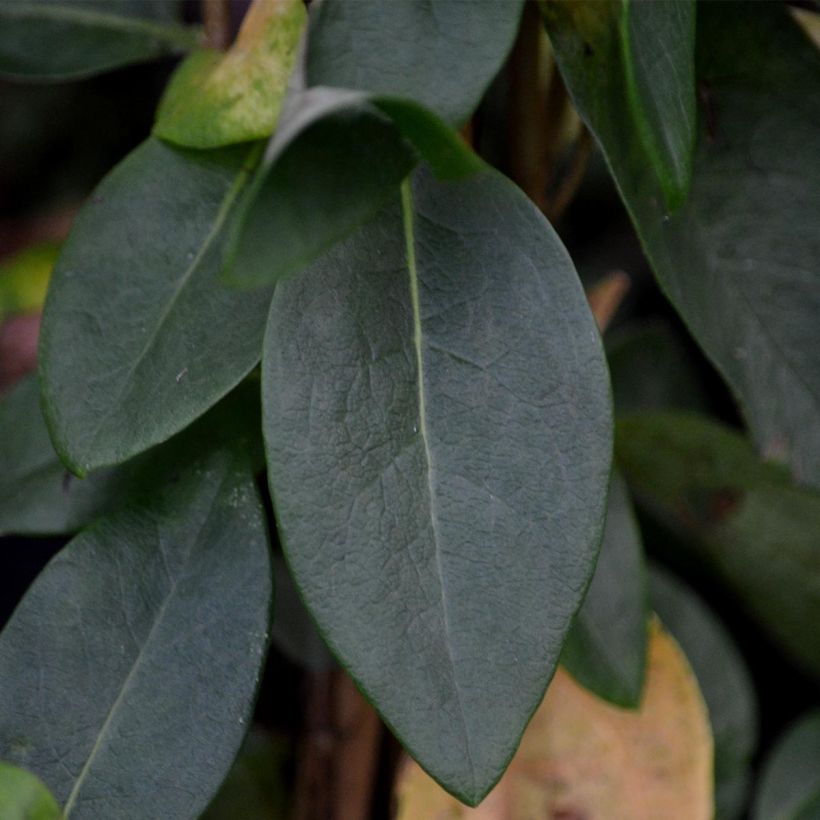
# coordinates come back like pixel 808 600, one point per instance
pixel 217 99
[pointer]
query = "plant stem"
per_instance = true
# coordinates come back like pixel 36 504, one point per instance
pixel 528 134
pixel 216 17
pixel 606 296
pixel 338 759
pixel 572 179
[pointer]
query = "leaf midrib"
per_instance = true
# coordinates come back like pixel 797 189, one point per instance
pixel 412 270
pixel 126 685
pixel 219 220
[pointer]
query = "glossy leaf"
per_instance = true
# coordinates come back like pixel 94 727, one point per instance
pixel 789 786
pixel 442 54
pixel 217 99
pixel 24 797
pixel 440 396
pixel 67 39
pixel 139 335
pixel 725 682
pixel 605 650
pixel 581 757
pixel 740 518
pixel 129 669
pixel 24 279
pixel 39 497
pixel 739 260
pixel 335 160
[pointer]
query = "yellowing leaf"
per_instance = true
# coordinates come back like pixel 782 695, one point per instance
pixel 217 99
pixel 581 757
pixel 24 279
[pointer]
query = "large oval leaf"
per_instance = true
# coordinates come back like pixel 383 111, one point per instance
pixel 739 260
pixel 437 422
pixel 605 650
pixel 441 53
pixel 24 797
pixel 139 335
pixel 62 39
pixel 129 669
pixel 725 682
pixel 789 787
pixel 741 519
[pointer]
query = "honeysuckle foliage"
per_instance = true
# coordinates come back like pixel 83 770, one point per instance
pixel 435 401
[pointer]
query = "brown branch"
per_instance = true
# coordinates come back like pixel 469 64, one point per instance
pixel 573 177
pixel 339 754
pixel 605 297
pixel 216 17
pixel 529 128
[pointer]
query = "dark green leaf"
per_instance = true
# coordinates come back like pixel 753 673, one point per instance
pixel 630 65
pixel 437 423
pixel 139 335
pixel 217 98
pixel 605 650
pixel 739 259
pixel 39 497
pixel 441 53
pixel 742 519
pixel 725 683
pixel 129 669
pixel 651 369
pixel 24 797
pixel 658 52
pixel 255 787
pixel 335 160
pixel 789 787
pixel 56 40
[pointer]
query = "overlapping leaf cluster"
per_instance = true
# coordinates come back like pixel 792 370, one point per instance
pixel 305 226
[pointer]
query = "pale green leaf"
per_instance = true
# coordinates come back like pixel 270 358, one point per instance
pixel 24 797
pixel 24 279
pixel 217 99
